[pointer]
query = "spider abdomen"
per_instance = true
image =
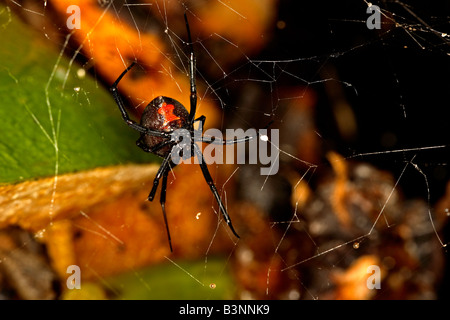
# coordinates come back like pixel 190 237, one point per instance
pixel 162 114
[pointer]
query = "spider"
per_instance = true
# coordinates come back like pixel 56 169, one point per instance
pixel 159 121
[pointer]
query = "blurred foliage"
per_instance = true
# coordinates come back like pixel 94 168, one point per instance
pixel 50 116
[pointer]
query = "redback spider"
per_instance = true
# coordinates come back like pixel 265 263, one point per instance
pixel 160 119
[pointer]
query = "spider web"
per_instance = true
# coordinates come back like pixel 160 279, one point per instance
pixel 363 147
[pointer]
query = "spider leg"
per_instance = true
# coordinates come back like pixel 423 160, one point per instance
pixel 202 119
pixel 159 146
pixel 213 188
pixel 124 113
pixel 193 96
pixel 162 200
pixel 215 140
pixel 161 171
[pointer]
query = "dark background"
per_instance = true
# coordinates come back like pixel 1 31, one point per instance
pixel 392 75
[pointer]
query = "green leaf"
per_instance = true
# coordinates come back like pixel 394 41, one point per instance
pixel 52 121
pixel 192 280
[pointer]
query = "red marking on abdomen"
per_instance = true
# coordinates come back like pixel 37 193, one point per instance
pixel 166 111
